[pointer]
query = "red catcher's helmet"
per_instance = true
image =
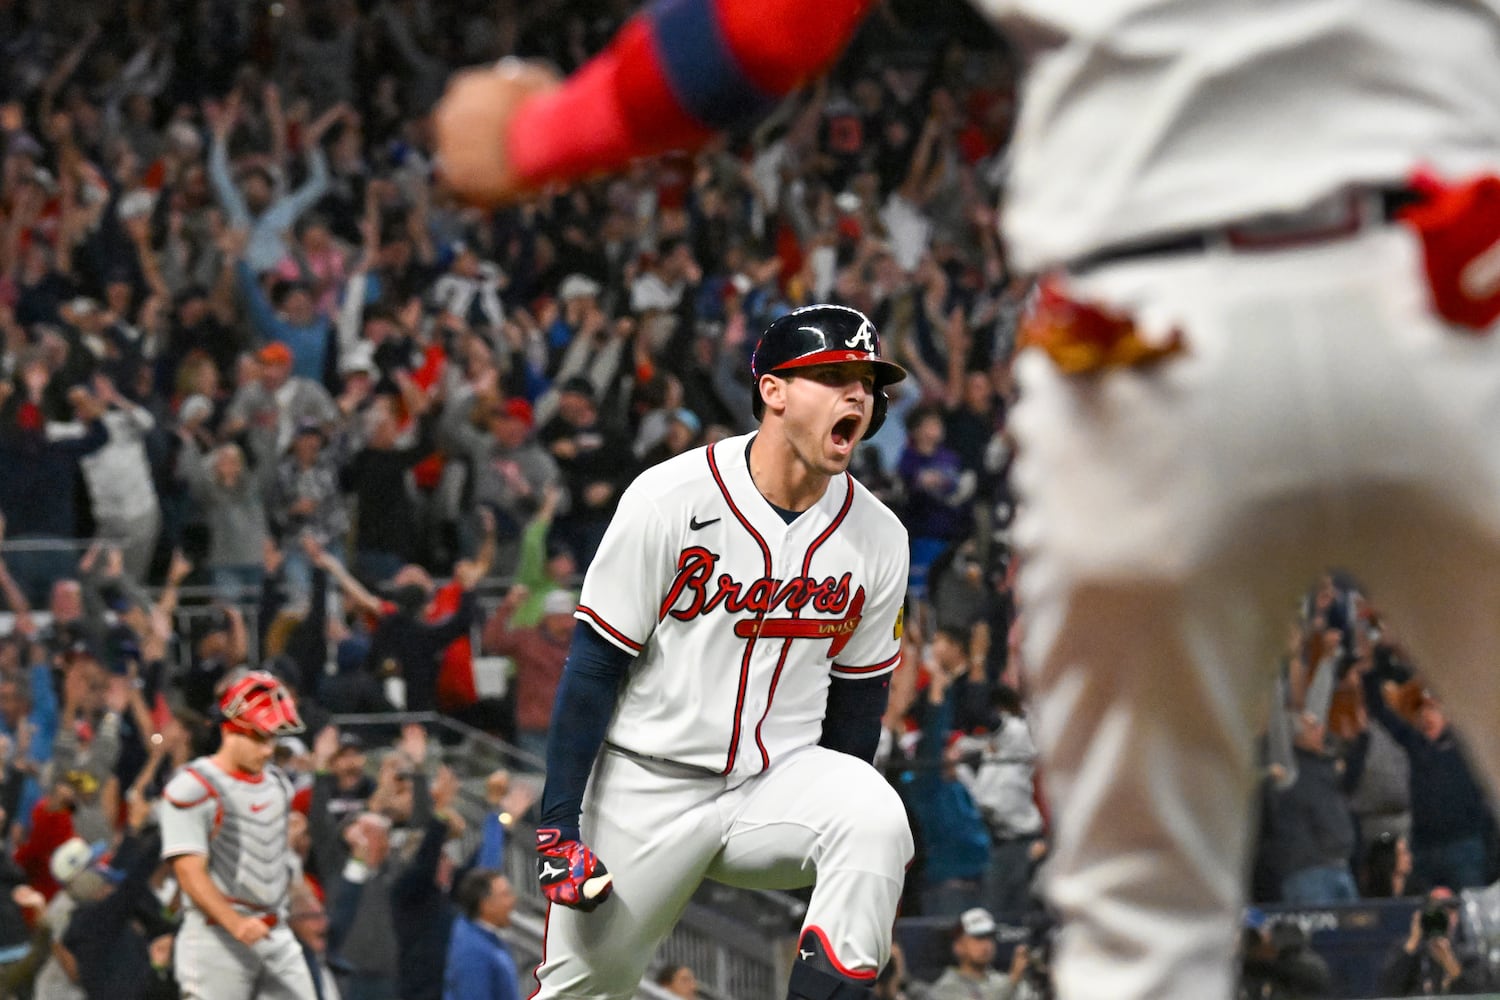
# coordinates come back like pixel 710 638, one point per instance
pixel 259 703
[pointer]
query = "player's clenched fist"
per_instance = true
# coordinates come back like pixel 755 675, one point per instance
pixel 473 120
pixel 249 930
pixel 569 873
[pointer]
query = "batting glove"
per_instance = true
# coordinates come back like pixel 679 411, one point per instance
pixel 569 873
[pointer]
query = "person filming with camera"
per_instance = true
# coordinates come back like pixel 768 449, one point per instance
pixel 1433 961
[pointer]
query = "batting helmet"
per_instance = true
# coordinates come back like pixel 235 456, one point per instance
pixel 259 703
pixel 823 335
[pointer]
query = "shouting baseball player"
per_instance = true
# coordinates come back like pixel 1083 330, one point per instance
pixel 1267 347
pixel 224 830
pixel 736 635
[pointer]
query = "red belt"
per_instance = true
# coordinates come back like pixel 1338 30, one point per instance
pixel 269 919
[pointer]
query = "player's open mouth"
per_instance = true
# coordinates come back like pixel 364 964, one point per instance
pixel 844 431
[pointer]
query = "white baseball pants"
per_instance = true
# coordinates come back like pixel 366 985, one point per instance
pixel 1171 517
pixel 815 815
pixel 212 965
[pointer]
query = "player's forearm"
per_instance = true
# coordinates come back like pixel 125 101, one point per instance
pixel 851 723
pixel 352 588
pixel 674 75
pixel 585 704
pixel 192 875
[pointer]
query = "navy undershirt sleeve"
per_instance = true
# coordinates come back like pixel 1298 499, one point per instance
pixel 855 707
pixel 586 698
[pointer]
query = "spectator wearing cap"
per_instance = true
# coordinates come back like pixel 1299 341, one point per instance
pixel 971 976
pixel 353 688
pixel 119 482
pixel 510 471
pixel 684 432
pixel 358 375
pixel 270 408
pixel 111 935
pixel 655 404
pixel 479 966
pixel 340 787
pixel 662 286
pixel 75 869
pixel 596 465
pixel 1449 812
pixel 539 652
pixel 578 300
pixel 470 289
pixel 599 353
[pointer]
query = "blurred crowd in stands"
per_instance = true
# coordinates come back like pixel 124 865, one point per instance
pixel 268 395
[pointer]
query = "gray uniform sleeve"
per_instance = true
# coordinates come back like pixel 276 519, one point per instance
pixel 190 812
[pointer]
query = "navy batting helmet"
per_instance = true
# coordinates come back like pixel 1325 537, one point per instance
pixel 823 335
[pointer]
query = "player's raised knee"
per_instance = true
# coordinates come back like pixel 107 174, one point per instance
pixel 875 820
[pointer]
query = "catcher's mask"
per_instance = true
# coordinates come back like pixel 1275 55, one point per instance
pixel 259 704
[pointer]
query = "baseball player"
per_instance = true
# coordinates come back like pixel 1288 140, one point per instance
pixel 224 830
pixel 724 688
pixel 1265 348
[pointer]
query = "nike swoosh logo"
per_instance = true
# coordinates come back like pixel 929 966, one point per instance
pixel 695 524
pixel 257 807
pixel 549 872
pixel 806 955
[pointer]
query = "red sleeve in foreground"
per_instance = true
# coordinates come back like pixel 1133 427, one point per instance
pixel 674 75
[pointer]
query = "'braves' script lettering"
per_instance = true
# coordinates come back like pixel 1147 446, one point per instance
pixel 696 590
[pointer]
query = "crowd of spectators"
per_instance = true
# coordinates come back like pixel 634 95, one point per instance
pixel 269 395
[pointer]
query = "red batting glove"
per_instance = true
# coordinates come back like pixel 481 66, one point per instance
pixel 569 873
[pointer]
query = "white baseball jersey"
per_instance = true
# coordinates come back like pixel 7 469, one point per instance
pixel 739 620
pixel 239 822
pixel 1147 117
